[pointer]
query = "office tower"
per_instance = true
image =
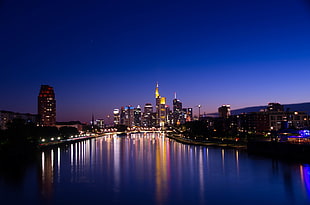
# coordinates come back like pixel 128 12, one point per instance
pixel 157 104
pixel 148 108
pixel 224 111
pixel 177 110
pixel 47 106
pixel 122 116
pixel 169 116
pixel 137 116
pixel 129 116
pixel 100 123
pixel 147 115
pixel 116 116
pixel 161 114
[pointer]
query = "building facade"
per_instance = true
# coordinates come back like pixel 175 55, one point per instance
pixel 177 111
pixel 273 118
pixel 161 114
pixel 147 116
pixel 137 116
pixel 116 115
pixel 47 106
pixel 224 111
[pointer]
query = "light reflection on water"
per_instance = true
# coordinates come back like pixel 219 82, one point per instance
pixel 152 169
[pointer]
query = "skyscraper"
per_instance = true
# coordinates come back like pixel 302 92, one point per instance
pixel 147 120
pixel 47 106
pixel 177 110
pixel 137 116
pixel 116 116
pixel 160 108
pixel 129 116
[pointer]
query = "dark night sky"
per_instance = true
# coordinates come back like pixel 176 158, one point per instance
pixel 100 55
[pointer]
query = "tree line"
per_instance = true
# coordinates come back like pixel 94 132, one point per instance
pixel 19 132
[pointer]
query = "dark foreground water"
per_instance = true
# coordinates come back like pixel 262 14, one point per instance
pixel 151 169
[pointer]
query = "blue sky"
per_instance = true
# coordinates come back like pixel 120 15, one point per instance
pixel 100 55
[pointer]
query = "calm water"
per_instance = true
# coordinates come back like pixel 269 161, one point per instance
pixel 152 169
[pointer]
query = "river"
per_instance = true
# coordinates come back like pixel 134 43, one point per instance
pixel 151 169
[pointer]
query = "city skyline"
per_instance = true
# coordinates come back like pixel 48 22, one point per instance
pixel 103 55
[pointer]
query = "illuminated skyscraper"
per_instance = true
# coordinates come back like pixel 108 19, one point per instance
pixel 160 108
pixel 47 106
pixel 116 116
pixel 137 116
pixel 129 116
pixel 147 120
pixel 177 110
pixel 122 116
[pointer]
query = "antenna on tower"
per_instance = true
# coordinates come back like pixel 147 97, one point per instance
pixel 175 95
pixel 92 120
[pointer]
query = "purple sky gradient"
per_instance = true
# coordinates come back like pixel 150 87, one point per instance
pixel 101 55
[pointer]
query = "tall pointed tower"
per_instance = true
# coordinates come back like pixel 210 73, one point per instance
pixel 156 91
pixel 161 114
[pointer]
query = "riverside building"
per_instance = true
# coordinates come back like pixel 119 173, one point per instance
pixel 47 106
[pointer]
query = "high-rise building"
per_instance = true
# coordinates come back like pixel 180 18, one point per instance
pixel 129 116
pixel 177 110
pixel 47 106
pixel 137 116
pixel 100 123
pixel 122 116
pixel 147 120
pixel 224 111
pixel 187 115
pixel 148 108
pixel 116 116
pixel 161 115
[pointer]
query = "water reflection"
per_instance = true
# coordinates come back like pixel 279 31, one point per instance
pixel 152 169
pixel 156 170
pixel 237 161
pixel 305 177
pixel 47 174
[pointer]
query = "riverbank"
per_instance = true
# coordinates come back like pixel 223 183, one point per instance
pixel 228 144
pixel 270 149
pixel 64 142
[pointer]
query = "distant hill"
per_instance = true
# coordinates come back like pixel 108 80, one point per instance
pixel 292 107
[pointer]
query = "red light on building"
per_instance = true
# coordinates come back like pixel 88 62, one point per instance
pixel 47 106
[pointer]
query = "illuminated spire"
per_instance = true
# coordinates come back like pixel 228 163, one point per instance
pixel 92 120
pixel 175 95
pixel 156 91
